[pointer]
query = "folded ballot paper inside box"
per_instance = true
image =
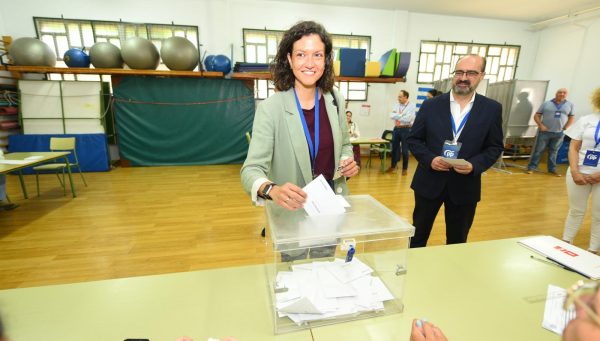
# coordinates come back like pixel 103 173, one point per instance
pixel 335 268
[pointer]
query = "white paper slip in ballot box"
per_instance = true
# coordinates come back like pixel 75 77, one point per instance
pixel 565 254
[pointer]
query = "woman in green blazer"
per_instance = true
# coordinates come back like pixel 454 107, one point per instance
pixel 286 153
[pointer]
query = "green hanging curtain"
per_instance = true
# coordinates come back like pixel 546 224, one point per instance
pixel 182 121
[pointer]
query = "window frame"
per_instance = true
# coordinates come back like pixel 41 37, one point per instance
pixel 344 87
pixel 446 67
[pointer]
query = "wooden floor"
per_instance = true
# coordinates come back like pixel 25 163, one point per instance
pixel 155 220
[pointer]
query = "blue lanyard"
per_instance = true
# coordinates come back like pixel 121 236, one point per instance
pixel 559 106
pixel 313 149
pixel 460 127
pixel 597 135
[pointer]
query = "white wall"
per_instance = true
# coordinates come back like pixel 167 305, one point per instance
pixel 221 21
pixel 568 57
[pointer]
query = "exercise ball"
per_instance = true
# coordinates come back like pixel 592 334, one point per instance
pixel 106 55
pixel 221 63
pixel 76 58
pixel 179 53
pixel 140 53
pixel 208 62
pixel 31 52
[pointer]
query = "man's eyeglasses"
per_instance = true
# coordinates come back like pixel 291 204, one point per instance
pixel 469 73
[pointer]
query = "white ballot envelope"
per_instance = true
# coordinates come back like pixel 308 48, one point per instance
pixel 456 162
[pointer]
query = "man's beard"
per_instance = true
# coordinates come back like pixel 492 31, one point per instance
pixel 462 91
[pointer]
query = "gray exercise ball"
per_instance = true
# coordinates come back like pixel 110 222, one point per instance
pixel 179 53
pixel 106 55
pixel 31 52
pixel 140 53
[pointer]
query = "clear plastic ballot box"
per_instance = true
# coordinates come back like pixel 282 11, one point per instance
pixel 335 268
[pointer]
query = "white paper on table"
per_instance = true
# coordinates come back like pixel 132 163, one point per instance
pixel 456 162
pixel 320 199
pixel 555 317
pixel 567 255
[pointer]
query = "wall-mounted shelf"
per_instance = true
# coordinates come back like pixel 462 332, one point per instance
pixel 17 71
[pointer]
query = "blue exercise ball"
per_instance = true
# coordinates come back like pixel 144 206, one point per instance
pixel 76 58
pixel 221 63
pixel 208 62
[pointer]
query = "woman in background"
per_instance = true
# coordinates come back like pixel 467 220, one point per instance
pixel 583 176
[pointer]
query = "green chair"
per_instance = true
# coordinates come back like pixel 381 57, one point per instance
pixel 381 149
pixel 59 144
pixel 248 137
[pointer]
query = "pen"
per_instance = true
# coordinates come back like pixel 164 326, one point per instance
pixel 551 261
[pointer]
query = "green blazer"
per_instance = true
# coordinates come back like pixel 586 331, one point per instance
pixel 279 151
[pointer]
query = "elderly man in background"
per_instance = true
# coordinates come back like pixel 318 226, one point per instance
pixel 553 118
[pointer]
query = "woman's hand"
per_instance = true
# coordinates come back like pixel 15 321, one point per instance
pixel 288 196
pixel 593 178
pixel 348 167
pixel 425 331
pixel 579 178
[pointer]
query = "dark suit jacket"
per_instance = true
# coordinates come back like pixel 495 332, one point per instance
pixel 482 145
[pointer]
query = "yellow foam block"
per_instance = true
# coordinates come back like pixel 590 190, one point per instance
pixel 336 67
pixel 372 69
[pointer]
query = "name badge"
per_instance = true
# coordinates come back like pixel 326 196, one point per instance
pixel 591 158
pixel 451 149
pixel 557 114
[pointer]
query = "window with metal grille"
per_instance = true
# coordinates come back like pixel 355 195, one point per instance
pixel 437 59
pixel 260 46
pixel 62 34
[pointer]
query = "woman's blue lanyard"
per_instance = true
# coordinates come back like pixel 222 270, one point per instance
pixel 460 127
pixel 313 149
pixel 597 135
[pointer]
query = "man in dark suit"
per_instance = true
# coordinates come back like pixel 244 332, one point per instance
pixel 455 138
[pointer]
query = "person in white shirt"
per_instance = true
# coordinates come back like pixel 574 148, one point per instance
pixel 403 116
pixel 354 134
pixel 583 176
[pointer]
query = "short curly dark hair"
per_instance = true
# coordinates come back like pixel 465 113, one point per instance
pixel 281 71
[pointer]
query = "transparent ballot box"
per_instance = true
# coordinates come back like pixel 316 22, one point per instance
pixel 335 268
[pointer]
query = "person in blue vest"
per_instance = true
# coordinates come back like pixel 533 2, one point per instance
pixel 553 118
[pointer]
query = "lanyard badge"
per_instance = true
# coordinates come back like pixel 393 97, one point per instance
pixel 592 156
pixel 451 148
pixel 312 148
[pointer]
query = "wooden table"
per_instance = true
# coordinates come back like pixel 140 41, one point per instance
pixel 22 158
pixel 477 291
pixel 370 142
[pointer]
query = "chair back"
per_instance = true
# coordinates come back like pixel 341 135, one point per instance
pixel 387 135
pixel 62 143
pixel 248 137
